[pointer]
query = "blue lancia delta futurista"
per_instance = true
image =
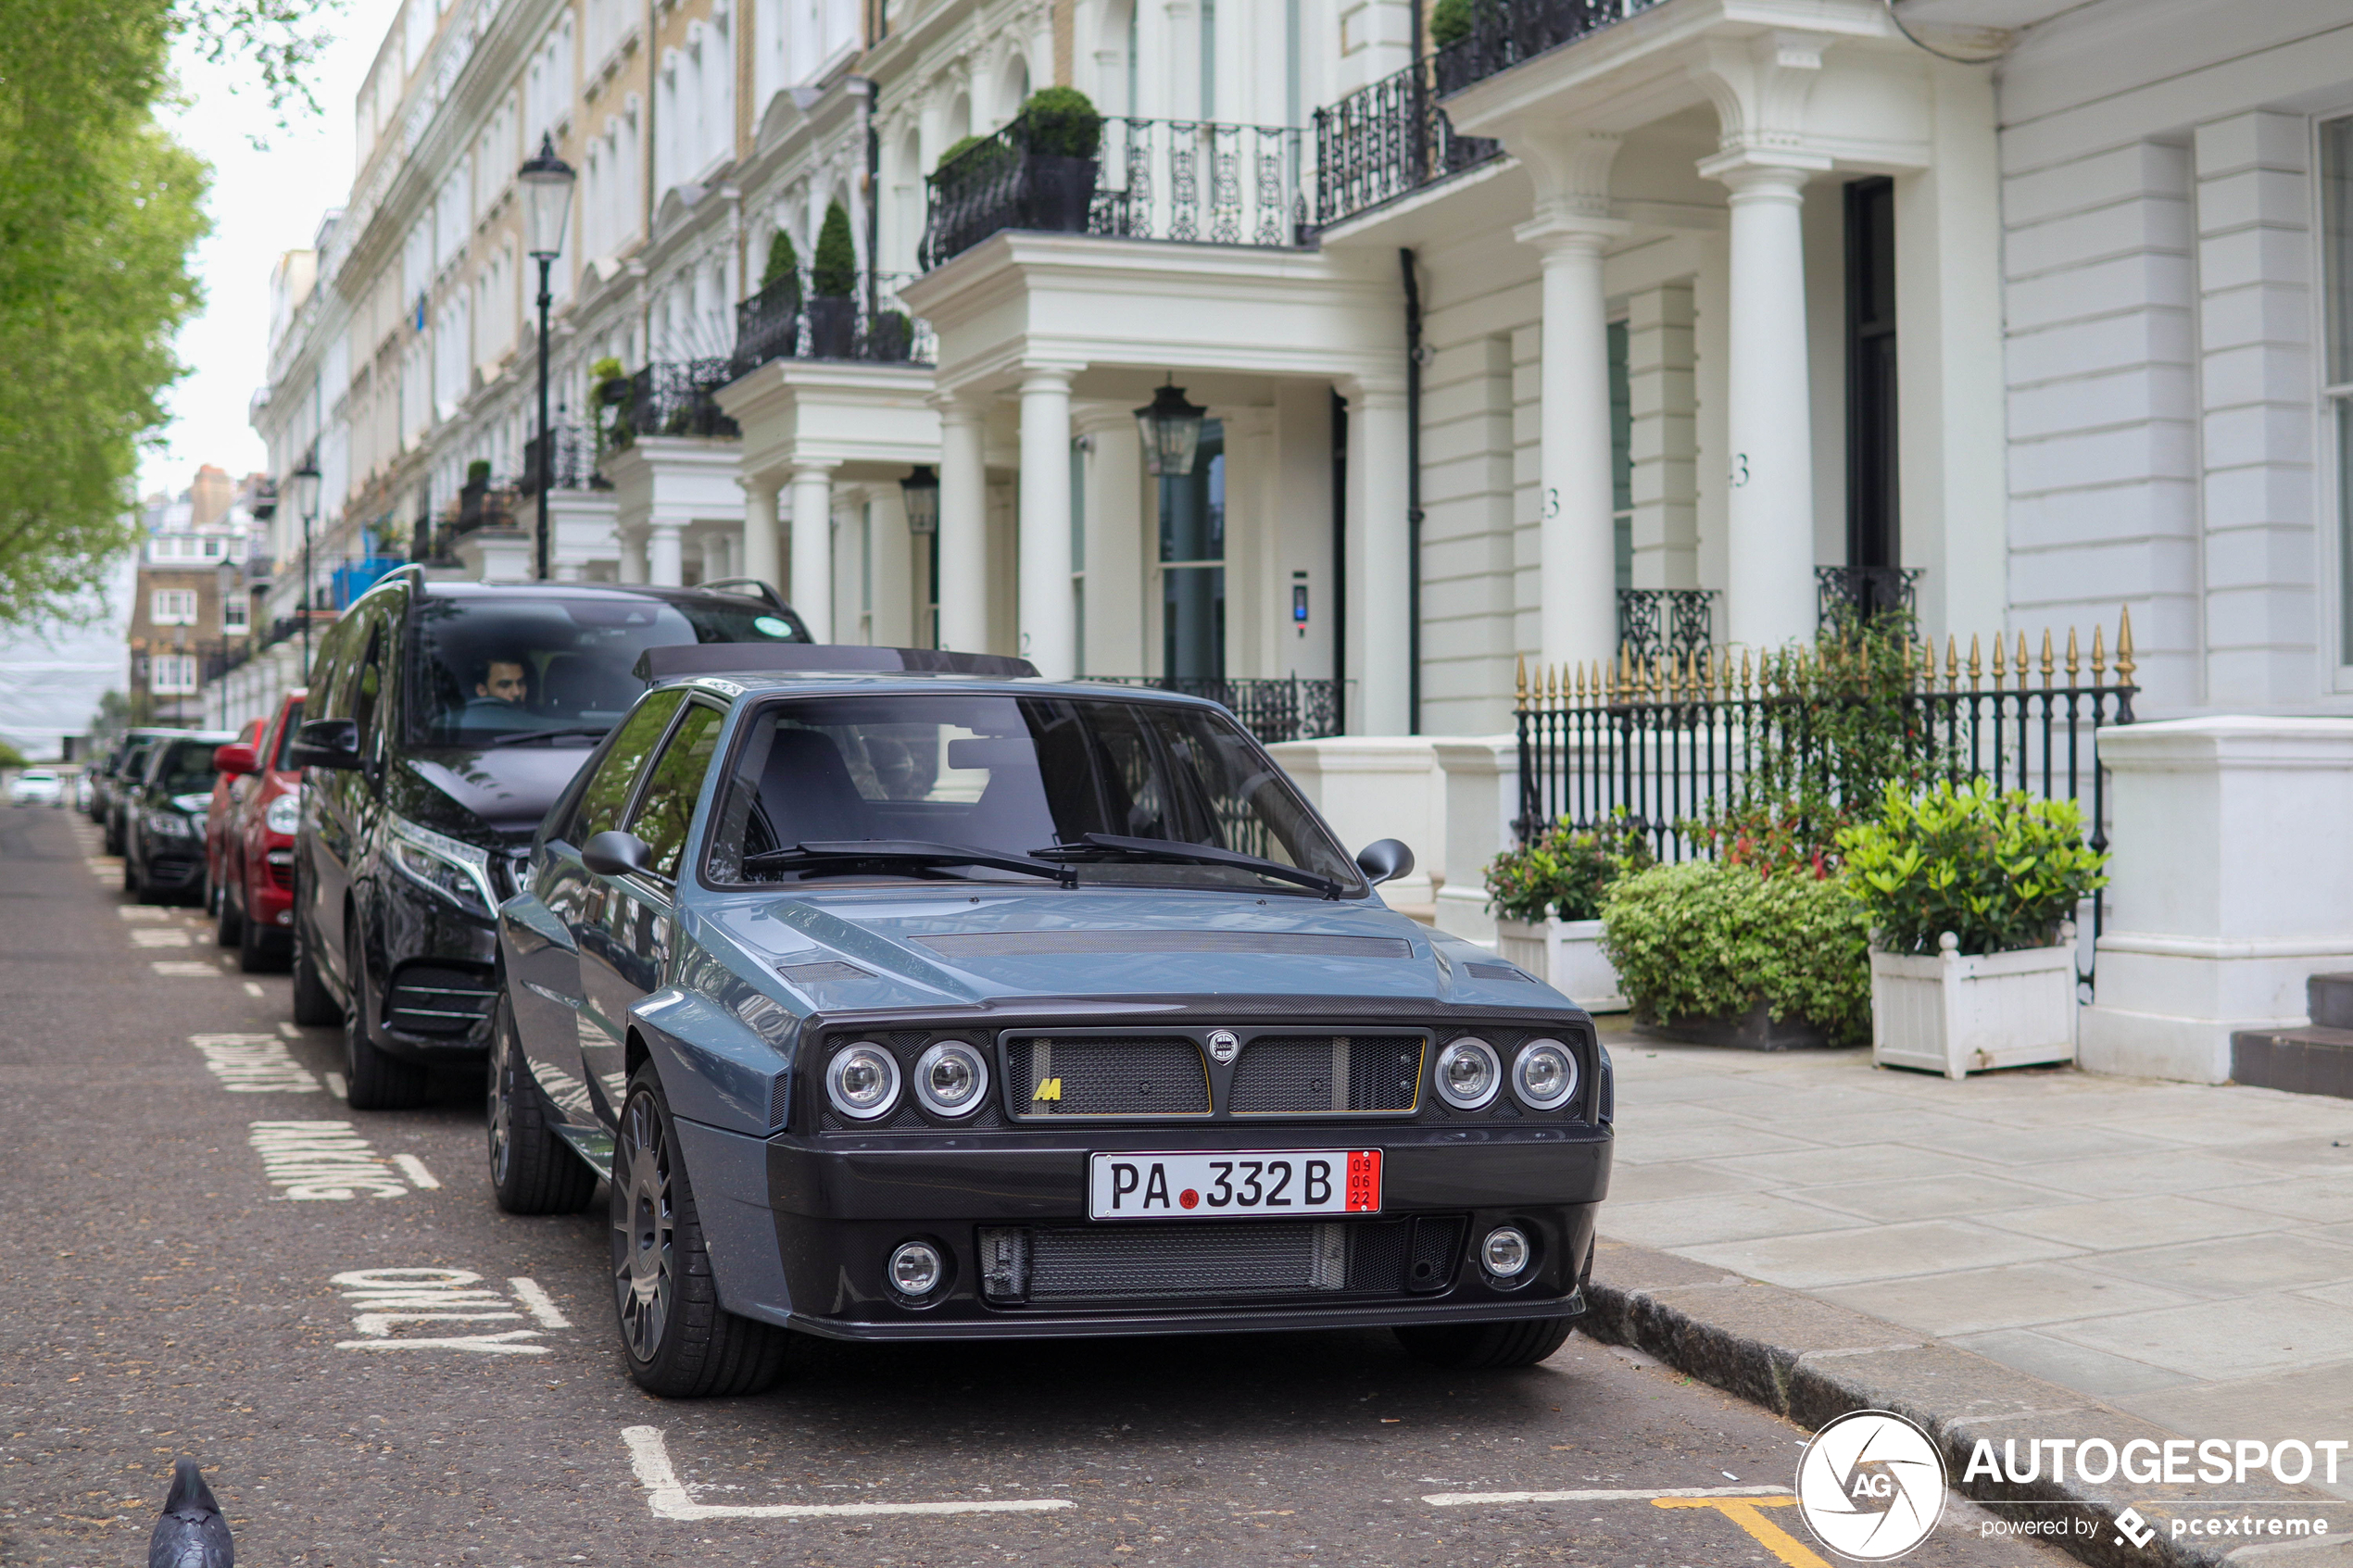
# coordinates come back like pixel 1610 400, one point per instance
pixel 905 995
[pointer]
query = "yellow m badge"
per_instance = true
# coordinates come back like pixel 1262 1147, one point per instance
pixel 1048 1089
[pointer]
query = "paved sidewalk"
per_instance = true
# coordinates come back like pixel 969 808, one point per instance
pixel 2179 1253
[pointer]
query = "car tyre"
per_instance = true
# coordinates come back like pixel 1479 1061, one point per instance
pixel 313 1003
pixel 373 1078
pixel 259 950
pixel 679 1342
pixel 1485 1347
pixel 228 921
pixel 532 1171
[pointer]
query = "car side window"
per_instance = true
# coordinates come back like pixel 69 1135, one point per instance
pixel 366 700
pixel 607 796
pixel 673 785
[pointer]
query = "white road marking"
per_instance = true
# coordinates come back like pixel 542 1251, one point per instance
pixel 288 1030
pixel 336 1087
pixel 322 1160
pixel 159 936
pixel 141 911
pixel 253 1064
pixel 414 1168
pixel 538 1302
pixel 670 1500
pixel 252 989
pixel 185 969
pixel 1638 1493
pixel 383 1299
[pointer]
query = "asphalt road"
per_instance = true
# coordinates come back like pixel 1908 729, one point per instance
pixel 168 1296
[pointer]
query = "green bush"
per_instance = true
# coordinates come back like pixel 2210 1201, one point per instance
pixel 477 472
pixel 1450 22
pixel 2000 871
pixel 833 273
pixel 1564 872
pixel 1062 121
pixel 783 260
pixel 1708 940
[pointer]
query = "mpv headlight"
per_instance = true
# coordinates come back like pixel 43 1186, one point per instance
pixel 1544 1074
pixel 952 1079
pixel 285 814
pixel 862 1081
pixel 169 825
pixel 457 873
pixel 1469 1074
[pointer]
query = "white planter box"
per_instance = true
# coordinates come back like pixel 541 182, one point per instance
pixel 1566 955
pixel 1957 1015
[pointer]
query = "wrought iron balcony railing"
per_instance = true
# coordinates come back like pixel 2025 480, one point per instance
pixel 673 397
pixel 1274 710
pixel 1386 140
pixel 1661 622
pixel 1848 594
pixel 789 320
pixel 1150 179
pixel 1505 33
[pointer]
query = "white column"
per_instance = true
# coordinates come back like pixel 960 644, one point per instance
pixel 812 548
pixel 1049 626
pixel 1577 569
pixel 964 524
pixel 1769 576
pixel 1378 563
pixel 760 558
pixel 664 554
pixel 715 556
pixel 632 555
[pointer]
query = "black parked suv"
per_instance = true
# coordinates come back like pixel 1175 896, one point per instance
pixel 119 776
pixel 445 719
pixel 163 807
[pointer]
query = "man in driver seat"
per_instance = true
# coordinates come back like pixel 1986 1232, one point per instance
pixel 501 687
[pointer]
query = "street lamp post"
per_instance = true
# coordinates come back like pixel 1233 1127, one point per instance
pixel 547 183
pixel 305 483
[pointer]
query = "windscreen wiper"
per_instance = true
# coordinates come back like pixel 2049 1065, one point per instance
pixel 845 853
pixel 565 731
pixel 1112 845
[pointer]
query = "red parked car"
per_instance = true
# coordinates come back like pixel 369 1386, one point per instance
pixel 228 790
pixel 252 854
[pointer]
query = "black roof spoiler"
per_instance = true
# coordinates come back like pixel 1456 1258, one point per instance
pixel 793 658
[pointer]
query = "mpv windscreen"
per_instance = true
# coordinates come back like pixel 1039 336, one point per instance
pixel 1104 791
pixel 492 670
pixel 186 769
pixel 284 759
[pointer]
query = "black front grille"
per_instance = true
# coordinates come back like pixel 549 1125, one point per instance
pixel 1296 1075
pixel 1211 1260
pixel 1107 1075
pixel 431 998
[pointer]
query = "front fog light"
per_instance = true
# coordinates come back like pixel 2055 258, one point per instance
pixel 915 1268
pixel 862 1081
pixel 1469 1074
pixel 949 1078
pixel 1543 1074
pixel 1505 1253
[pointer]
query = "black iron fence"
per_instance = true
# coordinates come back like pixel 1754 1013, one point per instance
pixel 673 397
pixel 574 446
pixel 1386 140
pixel 788 320
pixel 1505 33
pixel 1659 622
pixel 1669 741
pixel 1274 710
pixel 1845 595
pixel 1150 178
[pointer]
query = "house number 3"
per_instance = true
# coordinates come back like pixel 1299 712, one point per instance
pixel 1740 470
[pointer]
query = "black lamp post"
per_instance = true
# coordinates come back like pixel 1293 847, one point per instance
pixel 547 207
pixel 1171 430
pixel 305 485
pixel 920 490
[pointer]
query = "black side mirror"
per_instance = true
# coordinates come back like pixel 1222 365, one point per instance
pixel 1385 859
pixel 613 853
pixel 326 743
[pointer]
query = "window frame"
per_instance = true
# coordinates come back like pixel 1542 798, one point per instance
pixel 2332 413
pixel 695 814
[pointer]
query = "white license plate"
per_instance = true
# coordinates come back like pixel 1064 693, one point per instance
pixel 1255 1182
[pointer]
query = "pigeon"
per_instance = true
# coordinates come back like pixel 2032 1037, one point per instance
pixel 191 1533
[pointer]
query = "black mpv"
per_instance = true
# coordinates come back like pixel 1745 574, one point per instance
pixel 446 717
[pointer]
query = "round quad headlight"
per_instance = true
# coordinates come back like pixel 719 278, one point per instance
pixel 952 1079
pixel 1544 1074
pixel 862 1081
pixel 1506 1252
pixel 916 1268
pixel 1469 1074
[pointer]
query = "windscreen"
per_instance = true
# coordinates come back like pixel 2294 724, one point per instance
pixel 185 768
pixel 491 669
pixel 283 760
pixel 1015 776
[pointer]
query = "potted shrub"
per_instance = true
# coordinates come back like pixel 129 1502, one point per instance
pixel 1061 137
pixel 1712 953
pixel 609 388
pixel 890 337
pixel 1546 897
pixel 1971 897
pixel 833 288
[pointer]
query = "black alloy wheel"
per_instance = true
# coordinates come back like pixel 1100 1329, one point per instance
pixel 1485 1347
pixel 260 951
pixel 373 1078
pixel 314 1005
pixel 678 1341
pixel 532 1171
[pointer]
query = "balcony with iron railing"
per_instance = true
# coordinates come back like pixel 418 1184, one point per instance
pixel 1187 181
pixel 788 320
pixel 1388 140
pixel 672 398
pixel 1505 33
pixel 575 460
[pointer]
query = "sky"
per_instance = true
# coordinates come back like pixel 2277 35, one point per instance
pixel 263 202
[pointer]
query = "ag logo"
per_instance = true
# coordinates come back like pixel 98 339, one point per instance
pixel 1871 1486
pixel 1223 1044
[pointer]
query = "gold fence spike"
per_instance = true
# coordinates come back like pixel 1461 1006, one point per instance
pixel 1523 682
pixel 1997 662
pixel 2099 653
pixel 2047 666
pixel 1976 669
pixel 2022 662
pixel 2074 663
pixel 1952 663
pixel 1744 673
pixel 2124 666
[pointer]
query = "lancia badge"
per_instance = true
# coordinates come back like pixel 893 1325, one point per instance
pixel 1223 1044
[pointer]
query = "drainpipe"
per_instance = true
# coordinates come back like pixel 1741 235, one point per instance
pixel 866 92
pixel 1413 492
pixel 1339 594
